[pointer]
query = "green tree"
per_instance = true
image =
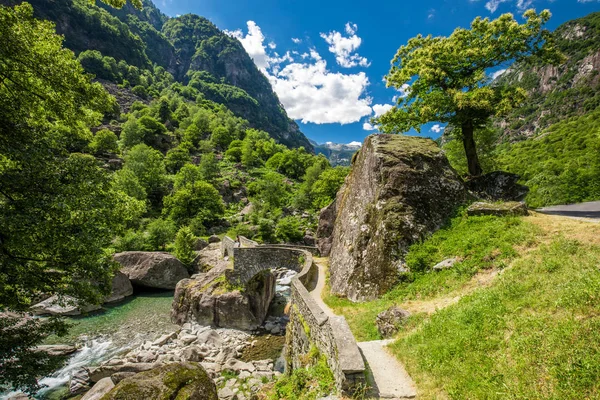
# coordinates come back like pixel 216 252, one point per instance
pixel 148 166
pixel 104 141
pixel 184 247
pixel 61 202
pixel 176 158
pixel 160 233
pixel 288 230
pixel 209 167
pixel 326 187
pixel 187 175
pixel 449 80
pixel 270 192
pixel 199 201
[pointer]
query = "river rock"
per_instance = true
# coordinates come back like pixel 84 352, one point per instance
pixel 400 189
pixel 102 387
pixel 170 381
pixel 497 186
pixel 151 269
pixel 511 208
pixel 105 371
pixel 64 306
pixel 79 381
pixel 389 321
pixel 207 300
pixel 57 349
pixel 121 288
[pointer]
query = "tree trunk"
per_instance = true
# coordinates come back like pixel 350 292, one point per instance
pixel 470 149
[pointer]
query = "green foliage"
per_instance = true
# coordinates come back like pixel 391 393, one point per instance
pixel 160 233
pixel 176 158
pixel 148 166
pixel 269 192
pixel 561 166
pixel 198 201
pixel 288 229
pixel 532 335
pixel 208 167
pixel 61 201
pixel 184 246
pixel 187 175
pixel 306 383
pixel 127 182
pixel 104 141
pixel 291 162
pixel 325 188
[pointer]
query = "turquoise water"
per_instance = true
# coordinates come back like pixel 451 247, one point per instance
pixel 142 315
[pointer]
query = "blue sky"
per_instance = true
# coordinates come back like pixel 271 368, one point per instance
pixel 326 59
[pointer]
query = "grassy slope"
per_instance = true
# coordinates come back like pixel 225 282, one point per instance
pixel 532 332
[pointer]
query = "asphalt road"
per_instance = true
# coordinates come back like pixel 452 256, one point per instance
pixel 590 209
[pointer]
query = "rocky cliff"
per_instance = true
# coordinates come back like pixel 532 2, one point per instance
pixel 400 189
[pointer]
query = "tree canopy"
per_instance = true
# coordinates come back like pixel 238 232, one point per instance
pixel 449 80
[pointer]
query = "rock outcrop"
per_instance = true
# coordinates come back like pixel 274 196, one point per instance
pixel 510 208
pixel 63 306
pixel 151 269
pixel 170 381
pixel 389 321
pixel 208 300
pixel 325 229
pixel 121 288
pixel 400 189
pixel 497 186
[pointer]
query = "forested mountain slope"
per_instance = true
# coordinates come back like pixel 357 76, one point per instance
pixel 557 92
pixel 188 47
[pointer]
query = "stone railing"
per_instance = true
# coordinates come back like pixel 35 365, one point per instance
pixel 309 326
pixel 227 246
pixel 312 249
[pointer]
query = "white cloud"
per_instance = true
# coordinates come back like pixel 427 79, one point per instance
pixel 498 73
pixel 436 128
pixel 355 144
pixel 253 43
pixel 308 90
pixel 345 48
pixel 522 5
pixel 380 109
pixel 296 40
pixel 431 13
pixel 404 90
pixel 368 127
pixel 272 45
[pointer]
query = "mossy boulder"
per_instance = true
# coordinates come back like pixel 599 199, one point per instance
pixel 400 189
pixel 180 381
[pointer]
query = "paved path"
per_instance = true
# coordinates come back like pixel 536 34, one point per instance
pixel 387 376
pixel 588 211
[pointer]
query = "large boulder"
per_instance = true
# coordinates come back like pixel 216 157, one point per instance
pixel 400 189
pixel 325 229
pixel 151 269
pixel 63 306
pixel 209 300
pixel 171 381
pixel 121 288
pixel 497 186
pixel 389 321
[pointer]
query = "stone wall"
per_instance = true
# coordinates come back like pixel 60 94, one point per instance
pixel 247 242
pixel 227 246
pixel 314 250
pixel 309 326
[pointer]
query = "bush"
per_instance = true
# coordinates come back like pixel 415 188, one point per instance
pixel 104 141
pixel 288 230
pixel 160 233
pixel 184 247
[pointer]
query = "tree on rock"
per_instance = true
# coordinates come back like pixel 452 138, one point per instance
pixel 449 81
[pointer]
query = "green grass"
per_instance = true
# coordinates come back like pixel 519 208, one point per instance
pixel 535 334
pixel 480 242
pixel 306 383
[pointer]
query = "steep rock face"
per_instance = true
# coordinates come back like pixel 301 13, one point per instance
pixel 151 269
pixel 170 381
pixel 207 300
pixel 400 188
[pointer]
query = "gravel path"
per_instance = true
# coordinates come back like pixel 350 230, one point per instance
pixel 588 211
pixel 388 377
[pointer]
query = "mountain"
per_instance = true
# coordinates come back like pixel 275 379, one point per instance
pixel 337 153
pixel 192 49
pixel 557 92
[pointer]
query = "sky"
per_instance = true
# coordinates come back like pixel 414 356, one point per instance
pixel 326 60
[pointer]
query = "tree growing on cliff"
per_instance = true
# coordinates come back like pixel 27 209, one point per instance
pixel 449 81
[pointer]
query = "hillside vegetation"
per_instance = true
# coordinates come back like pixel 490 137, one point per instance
pixel 524 326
